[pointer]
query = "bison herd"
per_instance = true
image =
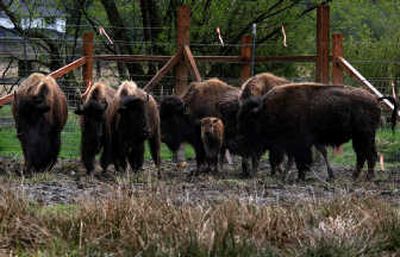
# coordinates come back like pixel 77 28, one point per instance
pixel 268 113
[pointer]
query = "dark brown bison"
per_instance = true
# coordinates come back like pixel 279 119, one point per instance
pixel 93 123
pixel 133 118
pixel 40 113
pixel 294 117
pixel 180 117
pixel 212 136
pixel 261 84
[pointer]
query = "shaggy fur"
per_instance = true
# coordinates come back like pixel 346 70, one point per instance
pixel 133 118
pixel 40 113
pixel 261 84
pixel 93 123
pixel 294 117
pixel 212 136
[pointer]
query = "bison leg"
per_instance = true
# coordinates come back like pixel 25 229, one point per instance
pixel 365 149
pixel 303 158
pixel 324 153
pixel 245 167
pixel 155 151
pixel 88 158
pixel 136 157
pixel 154 144
pixel 275 160
pixel 200 157
pixel 255 162
pixel 106 156
pixel 359 148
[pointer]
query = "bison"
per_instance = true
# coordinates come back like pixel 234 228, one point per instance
pixel 133 118
pixel 294 117
pixel 259 85
pixel 40 113
pixel 180 117
pixel 212 136
pixel 93 123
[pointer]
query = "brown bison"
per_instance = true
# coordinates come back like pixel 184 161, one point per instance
pixel 294 117
pixel 93 123
pixel 261 84
pixel 40 113
pixel 180 117
pixel 133 118
pixel 212 136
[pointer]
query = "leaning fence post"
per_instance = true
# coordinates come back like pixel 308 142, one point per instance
pixel 322 62
pixel 87 69
pixel 245 57
pixel 337 51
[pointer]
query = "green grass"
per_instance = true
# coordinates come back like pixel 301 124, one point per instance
pixel 70 137
pixel 387 143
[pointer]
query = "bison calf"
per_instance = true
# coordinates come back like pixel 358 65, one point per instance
pixel 40 113
pixel 212 136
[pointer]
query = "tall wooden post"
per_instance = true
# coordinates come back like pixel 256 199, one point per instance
pixel 183 38
pixel 337 51
pixel 322 63
pixel 245 54
pixel 87 69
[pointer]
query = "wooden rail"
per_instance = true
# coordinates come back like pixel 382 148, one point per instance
pixel 55 74
pixel 205 58
pixel 346 66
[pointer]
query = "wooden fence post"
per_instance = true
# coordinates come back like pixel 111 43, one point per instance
pixel 87 69
pixel 183 38
pixel 245 56
pixel 337 51
pixel 322 63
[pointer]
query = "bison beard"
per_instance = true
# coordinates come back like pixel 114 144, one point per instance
pixel 133 119
pixel 40 113
pixel 93 124
pixel 292 118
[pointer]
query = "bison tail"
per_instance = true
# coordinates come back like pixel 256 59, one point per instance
pixel 395 109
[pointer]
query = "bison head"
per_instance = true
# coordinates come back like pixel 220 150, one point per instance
pixel 93 122
pixel 249 125
pixel 175 122
pixel 134 118
pixel 34 128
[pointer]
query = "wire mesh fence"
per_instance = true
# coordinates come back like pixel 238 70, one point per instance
pixel 19 57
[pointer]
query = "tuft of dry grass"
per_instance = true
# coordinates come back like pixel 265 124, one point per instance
pixel 130 224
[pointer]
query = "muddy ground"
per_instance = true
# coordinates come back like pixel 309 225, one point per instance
pixel 67 183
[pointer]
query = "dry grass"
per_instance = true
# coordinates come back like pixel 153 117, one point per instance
pixel 130 224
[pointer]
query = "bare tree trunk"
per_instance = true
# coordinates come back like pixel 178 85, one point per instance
pixel 121 35
pixel 151 28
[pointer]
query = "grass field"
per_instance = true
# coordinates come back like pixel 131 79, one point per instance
pixel 126 224
pixel 388 143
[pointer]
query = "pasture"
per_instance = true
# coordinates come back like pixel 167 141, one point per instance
pixel 164 47
pixel 67 213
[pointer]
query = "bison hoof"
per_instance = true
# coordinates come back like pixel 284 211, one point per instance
pixel 370 176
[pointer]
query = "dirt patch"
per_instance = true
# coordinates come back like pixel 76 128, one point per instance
pixel 67 184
